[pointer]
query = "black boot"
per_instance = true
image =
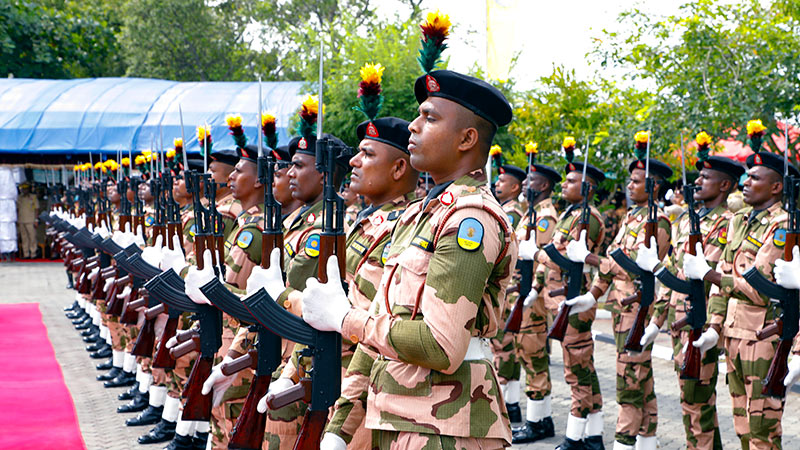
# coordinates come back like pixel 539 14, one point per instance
pixel 593 443
pixel 130 393
pixel 70 285
pixel 90 331
pixel 110 375
pixel 150 416
pixel 200 441
pixel 104 352
pixel 84 324
pixel 77 314
pixel 569 444
pixel 98 344
pixel 180 442
pixel 163 431
pixel 124 379
pixel 514 412
pixel 533 431
pixel 138 403
pixel 72 307
pixel 105 366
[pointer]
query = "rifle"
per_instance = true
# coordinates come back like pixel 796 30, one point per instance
pixel 138 207
pixel 525 267
pixel 574 270
pixel 646 292
pixel 124 204
pixel 786 325
pixel 694 289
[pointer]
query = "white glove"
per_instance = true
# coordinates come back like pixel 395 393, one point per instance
pixel 787 273
pixel 532 296
pixel 108 283
pixel 794 370
pixel 173 259
pixel 152 255
pixel 172 342
pixel 650 333
pixel 103 231
pixel 581 303
pixel 270 279
pixel 94 273
pixel 528 249
pixel 218 381
pixel 126 292
pixel 707 340
pixel 138 238
pixel 695 267
pixel 332 442
pixel 121 237
pixel 647 257
pixel 326 304
pixel 196 278
pixel 279 385
pixel 577 251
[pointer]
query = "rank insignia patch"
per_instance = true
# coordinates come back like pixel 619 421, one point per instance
pixel 244 239
pixel 754 241
pixel 470 234
pixel 312 245
pixel 779 238
pixel 385 253
pixel 543 225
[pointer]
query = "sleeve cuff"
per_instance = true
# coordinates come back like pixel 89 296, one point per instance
pixel 354 325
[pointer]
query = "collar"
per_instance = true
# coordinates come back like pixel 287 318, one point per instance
pixel 471 182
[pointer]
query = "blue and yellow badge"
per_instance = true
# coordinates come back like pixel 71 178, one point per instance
pixel 511 219
pixel 779 238
pixel 385 253
pixel 312 245
pixel 193 230
pixel 470 234
pixel 543 225
pixel 244 239
pixel 149 221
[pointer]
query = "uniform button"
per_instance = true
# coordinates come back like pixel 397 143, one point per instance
pixel 287 304
pixel 354 339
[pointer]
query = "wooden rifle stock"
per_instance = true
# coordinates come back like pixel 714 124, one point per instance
pixel 248 432
pixel 129 315
pixel 162 359
pixel 311 430
pixel 559 328
pixel 198 406
pixel 514 321
pixel 633 341
pixel 680 323
pixel 693 358
pixel 145 340
pixel 770 330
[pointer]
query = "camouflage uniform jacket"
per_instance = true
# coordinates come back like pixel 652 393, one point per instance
pixel 630 236
pixel 301 248
pixel 755 241
pixel 713 228
pixel 444 283
pixel 514 211
pixel 548 273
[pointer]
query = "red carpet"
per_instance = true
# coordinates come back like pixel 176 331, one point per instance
pixel 39 260
pixel 36 409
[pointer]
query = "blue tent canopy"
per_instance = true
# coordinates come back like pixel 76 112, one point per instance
pixel 106 115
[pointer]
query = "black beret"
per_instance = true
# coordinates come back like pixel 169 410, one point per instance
pixel 389 130
pixel 772 161
pixel 545 171
pixel 304 145
pixel 472 93
pixel 249 153
pixel 722 164
pixel 591 171
pixel 514 171
pixel 656 167
pixel 224 156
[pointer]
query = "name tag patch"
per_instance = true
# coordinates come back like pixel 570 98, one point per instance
pixel 289 250
pixel 422 243
pixel 754 241
pixel 358 247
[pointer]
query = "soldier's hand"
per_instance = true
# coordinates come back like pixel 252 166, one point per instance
pixel 787 273
pixel 173 259
pixel 577 251
pixel 276 387
pixel 172 342
pixel 152 255
pixel 528 249
pixel 102 230
pixel 707 340
pixel 325 304
pixel 332 441
pixel 647 257
pixel 138 238
pixel 107 284
pixel 196 278
pixel 794 370
pixel 695 267
pixel 650 334
pixel 218 382
pixel 270 279
pixel 126 292
pixel 121 238
pixel 581 303
pixel 532 296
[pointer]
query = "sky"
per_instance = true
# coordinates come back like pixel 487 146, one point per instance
pixel 547 33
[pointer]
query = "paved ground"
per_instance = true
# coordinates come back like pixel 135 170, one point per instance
pixel 103 428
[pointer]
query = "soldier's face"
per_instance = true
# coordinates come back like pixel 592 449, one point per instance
pixel 435 136
pixel 144 192
pixel 219 172
pixel 636 186
pixel 280 186
pixel 374 169
pixel 507 187
pixel 111 193
pixel 304 180
pixel 710 184
pixel 243 180
pixel 761 185
pixel 179 189
pixel 571 187
pixel 130 195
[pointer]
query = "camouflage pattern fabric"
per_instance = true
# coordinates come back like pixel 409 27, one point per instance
pixel 398 440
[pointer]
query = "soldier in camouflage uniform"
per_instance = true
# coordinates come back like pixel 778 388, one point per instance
pixel 507 190
pixel 532 336
pixel 717 179
pixel 585 421
pixel 756 236
pixel 431 385
pixel 638 415
pixel 280 183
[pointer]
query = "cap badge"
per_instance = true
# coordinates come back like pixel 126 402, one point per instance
pixel 431 84
pixel 706 164
pixel 303 144
pixel 372 130
pixel 571 167
pixel 639 165
pixel 758 159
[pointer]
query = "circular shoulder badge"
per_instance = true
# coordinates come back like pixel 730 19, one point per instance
pixel 377 220
pixel 447 198
pixel 312 245
pixel 149 221
pixel 543 225
pixel 193 230
pixel 722 237
pixel 470 234
pixel 779 238
pixel 385 253
pixel 244 239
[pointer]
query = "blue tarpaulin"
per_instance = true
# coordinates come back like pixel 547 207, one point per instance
pixel 121 114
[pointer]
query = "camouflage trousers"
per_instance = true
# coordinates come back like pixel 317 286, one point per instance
pixel 399 440
pixel 699 397
pixel 756 418
pixel 532 350
pixel 504 349
pixel 579 373
pixel 636 397
pixel 178 376
pixel 224 416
